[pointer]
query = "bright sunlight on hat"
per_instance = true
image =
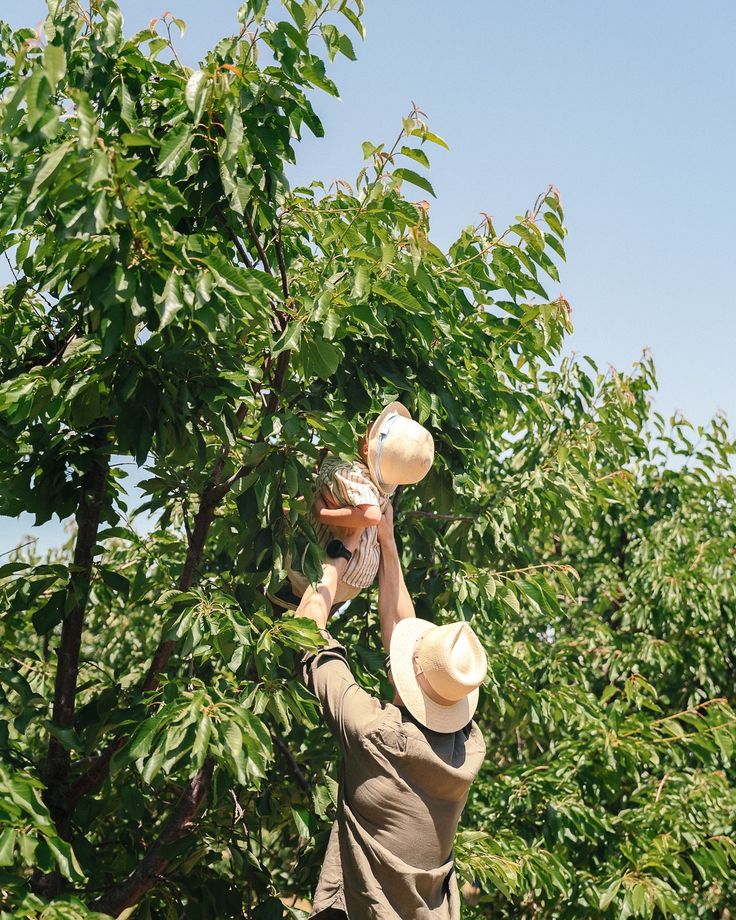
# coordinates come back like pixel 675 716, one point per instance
pixel 437 671
pixel 400 450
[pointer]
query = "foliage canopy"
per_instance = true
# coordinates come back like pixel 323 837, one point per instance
pixel 177 305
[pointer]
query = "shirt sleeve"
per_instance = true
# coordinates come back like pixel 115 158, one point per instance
pixel 346 707
pixel 350 486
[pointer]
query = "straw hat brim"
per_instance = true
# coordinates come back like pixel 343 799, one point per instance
pixel 432 715
pixel 397 407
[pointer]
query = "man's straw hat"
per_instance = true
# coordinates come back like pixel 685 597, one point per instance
pixel 400 450
pixel 437 671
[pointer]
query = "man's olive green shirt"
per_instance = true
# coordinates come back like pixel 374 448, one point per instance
pixel 402 791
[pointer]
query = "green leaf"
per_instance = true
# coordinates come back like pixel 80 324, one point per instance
pixel 609 894
pixel 408 175
pixel 140 744
pixel 54 62
pixel 65 859
pixel 7 846
pixel 197 92
pixel 139 139
pixel 87 120
pixel 116 581
pixel 288 340
pixel 201 740
pixel 50 614
pixel 171 301
pixel 554 223
pixel 426 135
pixel 415 153
pixel 360 282
pixel 240 281
pixel 301 820
pixel 48 166
pixel 400 296
pixel 509 597
pixel 321 358
pixel 233 740
pixel 175 147
pixel 154 764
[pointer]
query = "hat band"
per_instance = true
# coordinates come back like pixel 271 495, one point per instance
pixel 424 685
pixel 379 449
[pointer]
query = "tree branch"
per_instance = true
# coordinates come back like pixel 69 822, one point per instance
pixel 282 265
pixel 439 517
pixel 302 781
pixel 258 244
pixel 93 487
pixel 154 864
pixel 282 365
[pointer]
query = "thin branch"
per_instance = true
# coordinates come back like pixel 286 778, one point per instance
pixel 282 365
pixel 439 517
pixel 171 43
pixel 282 266
pixel 302 781
pixel 242 252
pixel 21 546
pixel 241 249
pixel 257 243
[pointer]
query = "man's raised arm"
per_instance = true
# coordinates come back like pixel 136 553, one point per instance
pixel 394 603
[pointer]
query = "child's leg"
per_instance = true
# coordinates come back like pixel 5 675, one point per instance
pixel 344 594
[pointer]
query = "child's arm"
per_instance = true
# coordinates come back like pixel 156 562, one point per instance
pixel 355 518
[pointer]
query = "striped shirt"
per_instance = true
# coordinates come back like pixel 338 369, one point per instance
pixel 349 484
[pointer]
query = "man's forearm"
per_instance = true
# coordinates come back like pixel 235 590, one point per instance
pixel 316 602
pixel 394 602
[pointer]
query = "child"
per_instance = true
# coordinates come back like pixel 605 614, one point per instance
pixel 394 451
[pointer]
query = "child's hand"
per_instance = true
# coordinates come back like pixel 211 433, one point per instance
pixel 318 505
pixel 328 499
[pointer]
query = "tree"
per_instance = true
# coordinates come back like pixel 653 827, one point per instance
pixel 176 304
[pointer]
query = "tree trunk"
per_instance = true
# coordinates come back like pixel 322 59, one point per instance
pixel 94 484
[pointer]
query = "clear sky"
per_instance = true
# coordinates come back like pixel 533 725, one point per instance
pixel 627 107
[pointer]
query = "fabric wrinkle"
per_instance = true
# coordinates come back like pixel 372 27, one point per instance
pixel 390 853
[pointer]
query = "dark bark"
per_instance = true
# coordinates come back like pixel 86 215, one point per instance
pixel 154 864
pixel 202 521
pixel 282 365
pixel 258 244
pixel 93 487
pixel 302 781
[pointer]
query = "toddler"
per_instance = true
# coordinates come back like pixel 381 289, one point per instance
pixel 352 494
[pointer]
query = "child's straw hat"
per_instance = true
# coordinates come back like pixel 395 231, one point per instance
pixel 400 450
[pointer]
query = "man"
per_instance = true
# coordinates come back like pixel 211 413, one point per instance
pixel 407 765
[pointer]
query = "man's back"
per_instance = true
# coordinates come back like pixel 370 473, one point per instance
pixel 402 793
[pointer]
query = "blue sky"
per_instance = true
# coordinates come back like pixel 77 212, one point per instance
pixel 627 107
